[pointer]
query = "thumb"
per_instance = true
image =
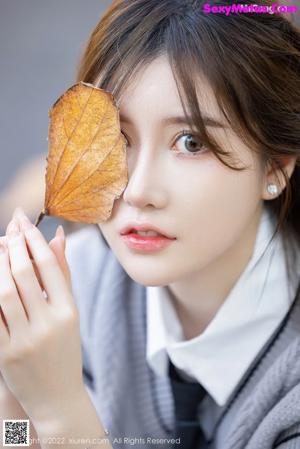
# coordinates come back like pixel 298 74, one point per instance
pixel 58 246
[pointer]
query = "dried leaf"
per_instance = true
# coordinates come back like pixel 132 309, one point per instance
pixel 86 163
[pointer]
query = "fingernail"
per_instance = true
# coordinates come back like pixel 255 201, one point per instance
pixel 60 232
pixel 12 229
pixel 25 222
pixel 18 212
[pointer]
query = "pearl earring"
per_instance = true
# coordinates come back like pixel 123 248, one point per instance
pixel 272 189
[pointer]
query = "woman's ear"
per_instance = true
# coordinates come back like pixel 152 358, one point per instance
pixel 274 177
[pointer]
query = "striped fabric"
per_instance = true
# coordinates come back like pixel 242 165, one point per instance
pixel 134 404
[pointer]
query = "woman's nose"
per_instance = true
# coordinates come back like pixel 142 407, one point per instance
pixel 145 183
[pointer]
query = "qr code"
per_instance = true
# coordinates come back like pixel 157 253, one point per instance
pixel 15 432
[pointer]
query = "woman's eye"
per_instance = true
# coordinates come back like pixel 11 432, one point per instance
pixel 188 143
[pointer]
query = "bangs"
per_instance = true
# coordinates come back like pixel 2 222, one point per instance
pixel 216 48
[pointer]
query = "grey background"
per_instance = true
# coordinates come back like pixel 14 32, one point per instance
pixel 40 45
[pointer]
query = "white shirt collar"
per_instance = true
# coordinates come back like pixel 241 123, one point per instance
pixel 219 356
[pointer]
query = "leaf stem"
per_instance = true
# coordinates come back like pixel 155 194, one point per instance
pixel 40 218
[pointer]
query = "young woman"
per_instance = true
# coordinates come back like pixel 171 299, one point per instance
pixel 189 295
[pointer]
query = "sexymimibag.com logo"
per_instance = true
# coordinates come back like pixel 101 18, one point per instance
pixel 244 9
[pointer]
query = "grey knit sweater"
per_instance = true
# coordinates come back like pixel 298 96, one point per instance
pixel 136 405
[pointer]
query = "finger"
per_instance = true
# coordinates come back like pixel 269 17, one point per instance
pixel 4 331
pixel 3 317
pixel 24 276
pixel 61 233
pixel 15 217
pixel 10 302
pixel 37 274
pixel 51 274
pixel 55 244
pixel 58 245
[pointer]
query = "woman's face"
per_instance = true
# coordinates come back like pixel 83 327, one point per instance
pixel 208 207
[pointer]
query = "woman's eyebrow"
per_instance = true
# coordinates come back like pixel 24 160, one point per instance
pixel 180 120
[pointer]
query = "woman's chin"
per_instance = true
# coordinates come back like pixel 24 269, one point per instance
pixel 149 279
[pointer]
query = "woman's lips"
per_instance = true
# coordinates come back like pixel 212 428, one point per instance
pixel 146 243
pixel 135 227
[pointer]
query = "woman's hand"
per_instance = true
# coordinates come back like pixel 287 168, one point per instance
pixel 40 353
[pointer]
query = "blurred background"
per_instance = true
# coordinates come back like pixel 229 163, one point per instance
pixel 40 46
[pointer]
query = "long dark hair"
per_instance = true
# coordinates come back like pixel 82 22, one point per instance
pixel 252 62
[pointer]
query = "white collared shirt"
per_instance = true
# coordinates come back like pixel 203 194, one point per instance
pixel 221 354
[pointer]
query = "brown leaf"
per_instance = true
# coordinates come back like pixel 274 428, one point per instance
pixel 86 163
